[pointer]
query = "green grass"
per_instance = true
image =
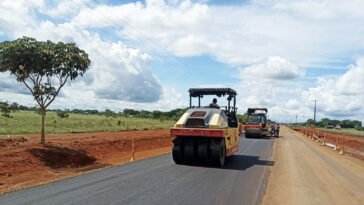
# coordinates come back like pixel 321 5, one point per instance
pixel 29 122
pixel 352 131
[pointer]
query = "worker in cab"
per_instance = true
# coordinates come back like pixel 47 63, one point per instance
pixel 214 104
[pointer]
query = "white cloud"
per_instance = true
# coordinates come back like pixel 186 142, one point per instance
pixel 274 68
pixel 273 40
pixel 271 84
pixel 63 8
pixel 322 9
pixel 17 15
pixel 239 34
pixel 169 100
pixel 341 96
pixel 117 72
pixel 292 104
pixel 351 83
pixel 9 84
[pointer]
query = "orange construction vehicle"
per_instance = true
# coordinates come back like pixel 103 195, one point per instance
pixel 256 124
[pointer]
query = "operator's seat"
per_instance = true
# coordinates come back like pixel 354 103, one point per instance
pixel 212 105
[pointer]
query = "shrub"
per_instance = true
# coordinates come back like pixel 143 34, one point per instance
pixel 6 109
pixel 63 114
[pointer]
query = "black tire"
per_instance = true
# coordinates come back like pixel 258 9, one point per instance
pixel 203 152
pixel 218 153
pixel 190 152
pixel 177 154
pixel 250 135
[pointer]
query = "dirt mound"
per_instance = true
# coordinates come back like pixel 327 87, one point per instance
pixel 62 157
pixel 12 141
pixel 24 162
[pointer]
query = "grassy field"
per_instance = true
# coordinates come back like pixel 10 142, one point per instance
pixel 29 122
pixel 352 131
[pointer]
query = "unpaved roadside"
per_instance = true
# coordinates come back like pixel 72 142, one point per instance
pixel 24 162
pixel 306 173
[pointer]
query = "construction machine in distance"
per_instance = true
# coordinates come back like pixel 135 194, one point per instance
pixel 204 134
pixel 256 124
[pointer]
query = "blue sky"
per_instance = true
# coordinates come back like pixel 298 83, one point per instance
pixel 277 54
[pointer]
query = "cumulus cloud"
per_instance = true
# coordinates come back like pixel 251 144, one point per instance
pixel 117 72
pixel 274 68
pixel 351 83
pixel 63 8
pixel 9 84
pixel 293 104
pixel 17 15
pixel 270 84
pixel 321 9
pixel 241 34
pixel 272 40
pixel 169 100
pixel 340 96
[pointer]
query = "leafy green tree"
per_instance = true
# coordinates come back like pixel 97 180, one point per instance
pixel 129 112
pixel 109 113
pixel 94 112
pixel 310 122
pixel 63 114
pixel 157 114
pixel 357 123
pixel 242 118
pixel 43 67
pixel 6 109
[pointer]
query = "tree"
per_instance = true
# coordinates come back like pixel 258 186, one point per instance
pixel 242 118
pixel 109 113
pixel 310 122
pixel 43 67
pixel 63 114
pixel 5 108
pixel 357 123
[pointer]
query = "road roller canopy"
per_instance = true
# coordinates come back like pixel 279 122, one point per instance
pixel 200 92
pixel 253 110
pixel 196 92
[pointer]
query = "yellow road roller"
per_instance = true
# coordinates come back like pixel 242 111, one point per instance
pixel 206 134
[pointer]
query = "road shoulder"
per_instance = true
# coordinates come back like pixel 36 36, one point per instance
pixel 305 173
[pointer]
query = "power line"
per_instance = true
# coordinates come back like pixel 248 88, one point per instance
pixel 155 47
pixel 104 19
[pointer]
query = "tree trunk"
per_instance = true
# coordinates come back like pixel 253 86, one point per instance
pixel 42 135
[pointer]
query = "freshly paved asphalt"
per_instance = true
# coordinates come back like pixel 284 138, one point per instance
pixel 159 181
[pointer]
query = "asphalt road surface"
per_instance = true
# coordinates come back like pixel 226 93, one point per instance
pixel 159 181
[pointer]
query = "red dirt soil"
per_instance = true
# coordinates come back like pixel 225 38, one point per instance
pixel 24 162
pixel 353 142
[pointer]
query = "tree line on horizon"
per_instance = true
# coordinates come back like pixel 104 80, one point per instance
pixel 174 114
pixel 6 108
pixel 326 122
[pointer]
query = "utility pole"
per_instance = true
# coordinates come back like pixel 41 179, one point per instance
pixel 296 118
pixel 314 112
